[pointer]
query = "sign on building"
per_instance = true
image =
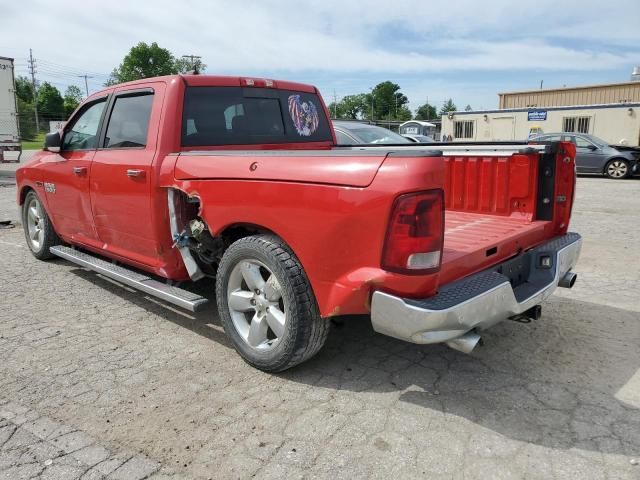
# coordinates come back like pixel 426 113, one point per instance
pixel 537 115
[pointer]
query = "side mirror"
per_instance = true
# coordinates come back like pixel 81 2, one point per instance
pixel 592 147
pixel 52 142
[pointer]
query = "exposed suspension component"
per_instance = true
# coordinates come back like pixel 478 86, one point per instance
pixel 207 249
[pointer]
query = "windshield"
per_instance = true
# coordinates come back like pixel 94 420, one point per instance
pixel 373 134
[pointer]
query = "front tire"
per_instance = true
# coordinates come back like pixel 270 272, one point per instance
pixel 38 229
pixel 267 306
pixel 617 169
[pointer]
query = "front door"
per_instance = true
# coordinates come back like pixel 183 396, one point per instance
pixel 121 175
pixel 66 177
pixel 589 157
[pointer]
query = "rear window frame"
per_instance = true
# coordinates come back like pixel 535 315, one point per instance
pixel 236 94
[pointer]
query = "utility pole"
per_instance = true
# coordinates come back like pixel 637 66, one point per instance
pixel 541 82
pixel 32 71
pixel 194 62
pixel 86 85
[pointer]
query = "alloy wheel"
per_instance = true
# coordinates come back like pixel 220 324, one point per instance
pixel 617 169
pixel 255 301
pixel 35 224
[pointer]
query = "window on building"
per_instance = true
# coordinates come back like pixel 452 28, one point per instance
pixel 576 124
pixel 463 129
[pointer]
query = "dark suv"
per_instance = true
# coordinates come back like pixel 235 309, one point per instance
pixel 594 155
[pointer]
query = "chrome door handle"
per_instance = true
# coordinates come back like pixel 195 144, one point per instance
pixel 135 173
pixel 79 170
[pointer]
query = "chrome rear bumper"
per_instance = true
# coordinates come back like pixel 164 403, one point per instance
pixel 479 301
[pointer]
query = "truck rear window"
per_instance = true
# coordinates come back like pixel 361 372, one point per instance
pixel 251 116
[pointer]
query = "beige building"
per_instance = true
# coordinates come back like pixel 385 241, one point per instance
pixel 614 123
pixel 628 92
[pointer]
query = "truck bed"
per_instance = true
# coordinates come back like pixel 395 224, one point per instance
pixel 490 200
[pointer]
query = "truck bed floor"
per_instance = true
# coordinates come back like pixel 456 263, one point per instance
pixel 473 241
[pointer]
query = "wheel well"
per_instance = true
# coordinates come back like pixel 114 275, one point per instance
pixel 233 233
pixel 23 194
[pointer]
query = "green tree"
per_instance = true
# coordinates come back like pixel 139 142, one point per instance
pixel 26 115
pixel 426 112
pixel 50 103
pixel 468 108
pixel 72 98
pixel 144 61
pixel 185 65
pixel 351 106
pixel 404 114
pixel 447 107
pixel 24 89
pixel 388 101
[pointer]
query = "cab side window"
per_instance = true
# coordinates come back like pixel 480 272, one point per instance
pixel 83 132
pixel 129 121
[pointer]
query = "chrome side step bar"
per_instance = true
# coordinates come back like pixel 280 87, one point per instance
pixel 177 296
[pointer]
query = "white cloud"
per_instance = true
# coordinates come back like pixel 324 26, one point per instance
pixel 334 37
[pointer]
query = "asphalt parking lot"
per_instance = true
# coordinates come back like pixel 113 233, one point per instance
pixel 100 381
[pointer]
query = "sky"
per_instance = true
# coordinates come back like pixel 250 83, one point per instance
pixel 462 49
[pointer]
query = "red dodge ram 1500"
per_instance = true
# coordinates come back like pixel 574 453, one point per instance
pixel 169 179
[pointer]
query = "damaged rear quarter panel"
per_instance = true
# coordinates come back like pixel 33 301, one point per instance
pixel 336 231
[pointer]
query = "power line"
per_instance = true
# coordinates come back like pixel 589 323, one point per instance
pixel 52 65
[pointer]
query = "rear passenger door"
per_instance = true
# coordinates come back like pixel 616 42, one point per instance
pixel 121 178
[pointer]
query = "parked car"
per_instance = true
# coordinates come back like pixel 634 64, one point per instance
pixel 161 181
pixel 594 155
pixel 353 133
pixel 419 138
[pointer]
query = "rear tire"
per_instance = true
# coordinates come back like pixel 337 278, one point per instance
pixel 267 306
pixel 38 229
pixel 617 169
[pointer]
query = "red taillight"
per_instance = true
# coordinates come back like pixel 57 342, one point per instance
pixel 415 233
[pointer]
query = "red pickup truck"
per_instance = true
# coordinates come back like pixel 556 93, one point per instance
pixel 165 180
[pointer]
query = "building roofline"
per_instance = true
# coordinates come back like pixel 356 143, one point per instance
pixel 6 58
pixel 563 89
pixel 565 107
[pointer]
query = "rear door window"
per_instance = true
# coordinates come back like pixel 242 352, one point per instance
pixel 129 121
pixel 251 116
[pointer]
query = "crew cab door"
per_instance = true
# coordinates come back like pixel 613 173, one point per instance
pixel 121 174
pixel 66 174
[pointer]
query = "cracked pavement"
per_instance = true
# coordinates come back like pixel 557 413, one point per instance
pixel 100 381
